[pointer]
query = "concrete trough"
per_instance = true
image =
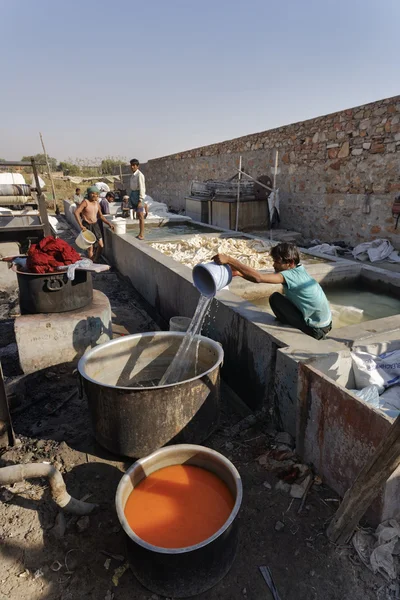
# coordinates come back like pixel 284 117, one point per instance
pixel 263 359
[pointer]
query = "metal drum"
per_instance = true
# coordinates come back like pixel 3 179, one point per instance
pixel 131 414
pixel 53 292
pixel 182 572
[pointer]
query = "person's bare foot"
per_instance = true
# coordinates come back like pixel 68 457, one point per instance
pixel 140 237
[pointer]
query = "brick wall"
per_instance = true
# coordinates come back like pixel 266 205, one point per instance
pixel 326 165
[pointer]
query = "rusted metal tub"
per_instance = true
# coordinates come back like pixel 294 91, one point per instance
pixel 53 292
pixel 182 572
pixel 133 417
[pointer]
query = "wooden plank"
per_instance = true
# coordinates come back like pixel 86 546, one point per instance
pixel 366 487
pixel 6 431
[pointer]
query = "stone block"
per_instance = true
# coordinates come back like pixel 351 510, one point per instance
pixel 344 150
pixel 45 340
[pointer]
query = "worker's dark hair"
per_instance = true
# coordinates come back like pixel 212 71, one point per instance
pixel 110 195
pixel 78 190
pixel 285 253
pixel 134 161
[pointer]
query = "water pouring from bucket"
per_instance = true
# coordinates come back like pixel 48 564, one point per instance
pixel 209 278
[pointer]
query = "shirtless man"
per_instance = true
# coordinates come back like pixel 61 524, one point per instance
pixel 90 211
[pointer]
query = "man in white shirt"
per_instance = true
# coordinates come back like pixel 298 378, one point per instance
pixel 78 197
pixel 137 195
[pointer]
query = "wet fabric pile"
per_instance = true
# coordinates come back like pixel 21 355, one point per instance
pixel 49 254
pixel 190 252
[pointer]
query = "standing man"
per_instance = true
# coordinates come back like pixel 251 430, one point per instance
pixel 136 198
pixel 78 197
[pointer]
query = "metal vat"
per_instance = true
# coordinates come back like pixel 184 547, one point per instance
pixel 131 415
pixel 53 292
pixel 182 572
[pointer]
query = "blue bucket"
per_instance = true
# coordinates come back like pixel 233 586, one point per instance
pixel 210 278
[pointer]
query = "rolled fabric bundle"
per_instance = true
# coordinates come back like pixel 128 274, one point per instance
pixel 16 200
pixel 13 189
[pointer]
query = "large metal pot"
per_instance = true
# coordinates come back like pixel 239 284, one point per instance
pixel 182 572
pixel 53 292
pixel 132 417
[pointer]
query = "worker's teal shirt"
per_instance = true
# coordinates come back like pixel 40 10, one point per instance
pixel 309 297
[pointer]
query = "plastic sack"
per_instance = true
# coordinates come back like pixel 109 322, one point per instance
pixel 369 394
pixel 41 182
pixel 382 371
pixel 390 401
pixel 379 551
pixel 103 187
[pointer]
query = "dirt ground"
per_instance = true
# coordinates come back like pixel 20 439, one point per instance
pixel 47 555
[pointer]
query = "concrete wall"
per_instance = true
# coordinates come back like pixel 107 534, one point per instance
pixel 326 165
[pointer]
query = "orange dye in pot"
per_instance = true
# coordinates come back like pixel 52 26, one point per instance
pixel 178 506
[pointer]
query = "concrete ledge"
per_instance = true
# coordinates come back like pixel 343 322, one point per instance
pixel 45 340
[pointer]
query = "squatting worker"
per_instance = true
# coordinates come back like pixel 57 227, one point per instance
pixel 125 207
pixel 137 195
pixel 304 305
pixel 91 212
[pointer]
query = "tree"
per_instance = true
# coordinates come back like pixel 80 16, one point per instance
pixel 110 165
pixel 41 158
pixel 69 168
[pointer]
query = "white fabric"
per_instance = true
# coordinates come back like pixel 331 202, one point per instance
pixel 273 202
pixel 41 182
pixel 382 371
pixel 376 250
pixel 12 178
pixel 137 182
pixel 103 187
pixel 325 249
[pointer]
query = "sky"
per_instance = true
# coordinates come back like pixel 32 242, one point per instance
pixel 144 80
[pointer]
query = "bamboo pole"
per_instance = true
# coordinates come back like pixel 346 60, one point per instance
pixel 50 175
pixel 41 201
pixel 274 188
pixel 238 193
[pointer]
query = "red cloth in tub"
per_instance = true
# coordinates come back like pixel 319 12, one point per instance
pixel 49 254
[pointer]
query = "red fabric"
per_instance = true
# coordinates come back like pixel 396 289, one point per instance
pixel 49 254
